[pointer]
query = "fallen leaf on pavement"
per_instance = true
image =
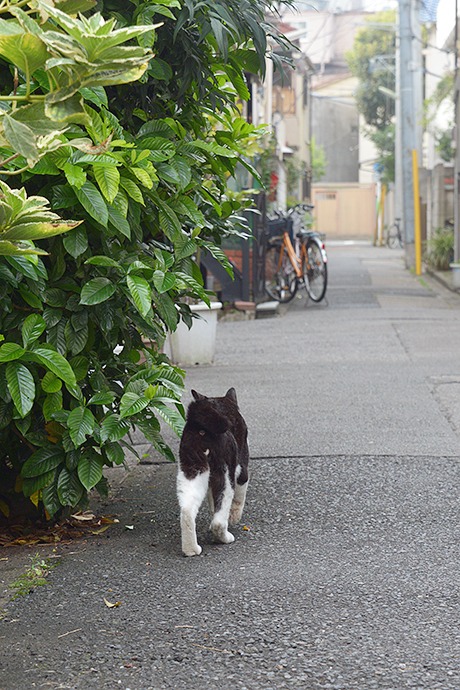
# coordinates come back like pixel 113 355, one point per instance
pixel 100 530
pixel 111 605
pixel 83 517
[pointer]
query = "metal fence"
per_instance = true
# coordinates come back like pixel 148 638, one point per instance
pixel 247 258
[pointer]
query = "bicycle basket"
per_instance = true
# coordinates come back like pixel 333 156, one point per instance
pixel 277 226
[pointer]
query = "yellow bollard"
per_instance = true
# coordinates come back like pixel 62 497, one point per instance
pixel 417 228
pixel 382 214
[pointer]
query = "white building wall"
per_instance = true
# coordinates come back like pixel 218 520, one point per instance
pixel 445 21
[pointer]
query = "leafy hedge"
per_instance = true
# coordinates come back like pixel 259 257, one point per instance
pixel 141 170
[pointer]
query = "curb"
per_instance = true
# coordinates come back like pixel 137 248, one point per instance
pixel 445 278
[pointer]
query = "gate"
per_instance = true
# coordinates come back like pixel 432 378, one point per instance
pixel 247 258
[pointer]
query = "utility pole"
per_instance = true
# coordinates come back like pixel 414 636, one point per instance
pixel 457 141
pixel 407 124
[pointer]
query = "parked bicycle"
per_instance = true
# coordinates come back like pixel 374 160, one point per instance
pixel 296 256
pixel 394 235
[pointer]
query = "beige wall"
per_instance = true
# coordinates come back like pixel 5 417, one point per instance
pixel 345 211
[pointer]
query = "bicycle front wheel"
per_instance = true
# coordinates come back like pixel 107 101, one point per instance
pixel 394 238
pixel 280 278
pixel 314 270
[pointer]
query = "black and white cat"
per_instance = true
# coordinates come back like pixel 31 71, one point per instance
pixel 214 459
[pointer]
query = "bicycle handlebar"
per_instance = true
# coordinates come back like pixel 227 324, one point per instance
pixel 278 214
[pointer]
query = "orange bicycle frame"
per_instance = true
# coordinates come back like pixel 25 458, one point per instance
pixel 293 258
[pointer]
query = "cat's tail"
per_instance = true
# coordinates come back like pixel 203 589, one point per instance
pixel 205 416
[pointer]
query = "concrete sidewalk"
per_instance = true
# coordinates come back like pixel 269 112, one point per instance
pixel 345 571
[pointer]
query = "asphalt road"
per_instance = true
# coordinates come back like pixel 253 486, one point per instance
pixel 345 570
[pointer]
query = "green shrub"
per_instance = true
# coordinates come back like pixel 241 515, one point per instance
pixel 143 169
pixel 440 249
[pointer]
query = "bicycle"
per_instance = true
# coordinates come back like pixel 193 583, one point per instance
pixel 288 265
pixel 394 236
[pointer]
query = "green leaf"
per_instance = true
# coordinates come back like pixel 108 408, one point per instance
pixel 55 297
pixel 21 387
pixel 64 108
pixel 33 484
pixel 21 138
pixel 103 261
pixel 108 179
pixel 145 178
pixel 90 469
pixel 214 149
pixel 24 50
pixel 113 428
pixel 69 488
pixel 170 223
pixel 81 424
pixel 103 398
pixel 63 196
pixel 171 417
pixel 75 175
pixel 183 171
pixel 37 230
pixel 5 414
pixel 97 94
pixel 79 366
pixel 32 328
pixel 97 290
pixel 10 352
pixel 140 292
pixel 93 202
pixel 51 383
pixel 118 221
pixel 221 257
pixel 167 310
pixel 160 149
pixel 52 404
pixel 30 298
pixel 132 189
pixel 164 281
pixel 53 361
pixel 43 460
pixel 185 247
pixel 131 404
pixel 50 499
pixel 187 207
pixel 76 333
pixel 169 173
pixel 76 242
pixel 114 453
pixel 25 266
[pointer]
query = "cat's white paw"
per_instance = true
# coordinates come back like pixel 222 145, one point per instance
pixel 221 534
pixel 228 538
pixel 192 550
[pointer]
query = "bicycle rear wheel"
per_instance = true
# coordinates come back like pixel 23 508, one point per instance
pixel 280 279
pixel 314 270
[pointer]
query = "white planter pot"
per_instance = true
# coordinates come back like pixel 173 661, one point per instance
pixel 197 345
pixel 455 268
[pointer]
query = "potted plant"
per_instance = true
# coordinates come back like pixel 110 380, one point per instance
pixel 196 344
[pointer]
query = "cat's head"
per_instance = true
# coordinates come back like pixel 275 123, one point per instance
pixel 231 393
pixel 210 414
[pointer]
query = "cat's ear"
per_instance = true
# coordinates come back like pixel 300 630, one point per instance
pixel 198 396
pixel 231 393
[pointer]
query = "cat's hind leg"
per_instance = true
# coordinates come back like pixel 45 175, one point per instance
pixel 236 510
pixel 222 492
pixel 239 498
pixel 190 493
